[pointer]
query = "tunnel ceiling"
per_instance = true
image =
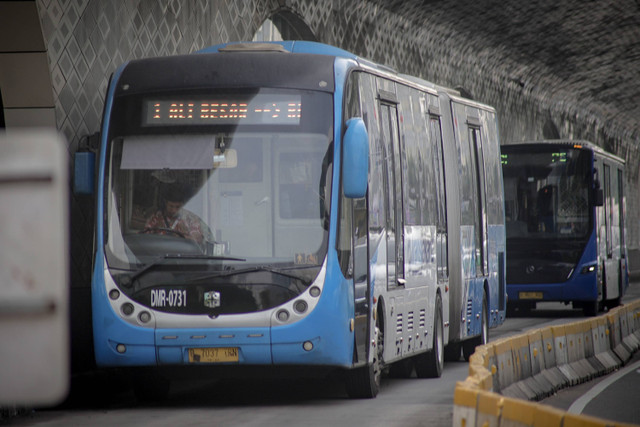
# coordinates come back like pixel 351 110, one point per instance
pixel 588 49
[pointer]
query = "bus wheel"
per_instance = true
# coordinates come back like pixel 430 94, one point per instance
pixel 590 308
pixel 469 346
pixel 401 369
pixel 431 363
pixel 364 382
pixel 452 352
pixel 613 303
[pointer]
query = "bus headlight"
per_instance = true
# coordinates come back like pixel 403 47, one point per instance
pixel 144 316
pixel 300 306
pixel 127 309
pixel 283 315
pixel 588 269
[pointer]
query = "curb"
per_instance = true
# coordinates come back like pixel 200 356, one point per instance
pixel 507 376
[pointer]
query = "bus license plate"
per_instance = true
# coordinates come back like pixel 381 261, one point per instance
pixel 213 355
pixel 530 295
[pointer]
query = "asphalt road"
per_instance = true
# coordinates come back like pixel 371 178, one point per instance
pixel 614 397
pixel 102 401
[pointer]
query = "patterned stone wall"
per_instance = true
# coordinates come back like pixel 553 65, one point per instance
pixel 551 70
pixel 88 39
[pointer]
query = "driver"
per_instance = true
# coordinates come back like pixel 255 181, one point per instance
pixel 172 219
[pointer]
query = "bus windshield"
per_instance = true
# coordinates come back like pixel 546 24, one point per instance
pixel 236 189
pixel 546 192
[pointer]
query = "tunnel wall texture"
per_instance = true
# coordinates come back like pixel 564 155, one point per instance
pixel 551 69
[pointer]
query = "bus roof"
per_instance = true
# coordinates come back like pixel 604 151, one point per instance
pixel 293 46
pixel 315 48
pixel 299 46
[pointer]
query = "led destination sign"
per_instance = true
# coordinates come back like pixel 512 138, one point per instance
pixel 262 109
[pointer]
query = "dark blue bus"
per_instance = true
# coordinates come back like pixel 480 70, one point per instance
pixel 564 205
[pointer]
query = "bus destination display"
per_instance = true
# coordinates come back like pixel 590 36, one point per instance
pixel 262 109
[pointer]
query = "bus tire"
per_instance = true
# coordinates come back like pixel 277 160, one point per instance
pixel 590 308
pixel 615 302
pixel 452 352
pixel 401 369
pixel 431 363
pixel 469 346
pixel 364 382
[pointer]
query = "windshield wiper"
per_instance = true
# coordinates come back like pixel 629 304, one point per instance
pixel 158 261
pixel 278 271
pixel 203 256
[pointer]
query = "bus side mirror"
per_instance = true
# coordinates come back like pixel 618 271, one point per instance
pixel 84 164
pixel 355 164
pixel 84 172
pixel 598 197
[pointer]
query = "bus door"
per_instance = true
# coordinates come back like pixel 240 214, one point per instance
pixel 612 232
pixel 393 191
pixel 473 217
pixel 624 277
pixel 442 239
pixel 480 234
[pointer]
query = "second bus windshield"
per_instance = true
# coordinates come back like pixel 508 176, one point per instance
pixel 546 192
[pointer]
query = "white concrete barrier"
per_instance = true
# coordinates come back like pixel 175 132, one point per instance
pixel 506 375
pixel 536 355
pixel 562 355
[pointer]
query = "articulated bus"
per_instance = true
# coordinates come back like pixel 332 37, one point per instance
pixel 564 204
pixel 290 204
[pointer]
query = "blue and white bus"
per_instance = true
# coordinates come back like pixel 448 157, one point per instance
pixel 336 215
pixel 565 225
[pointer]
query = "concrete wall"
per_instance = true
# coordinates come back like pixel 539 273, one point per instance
pixel 25 82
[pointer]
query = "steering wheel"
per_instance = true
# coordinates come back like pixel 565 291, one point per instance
pixel 165 230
